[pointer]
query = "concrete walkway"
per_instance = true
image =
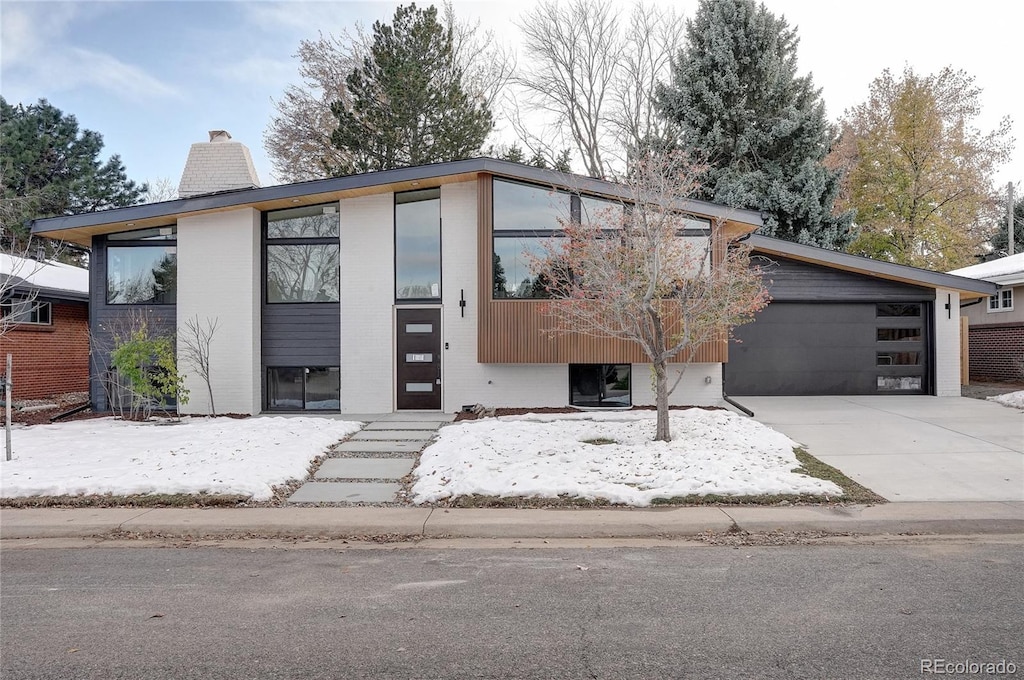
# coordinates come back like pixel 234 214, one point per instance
pixel 369 466
pixel 909 448
pixel 414 522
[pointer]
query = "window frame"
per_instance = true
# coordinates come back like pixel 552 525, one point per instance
pixel 10 316
pixel 122 241
pixel 305 371
pixel 1000 301
pixel 433 299
pixel 599 406
pixel 272 241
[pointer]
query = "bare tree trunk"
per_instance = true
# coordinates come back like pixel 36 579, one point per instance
pixel 662 432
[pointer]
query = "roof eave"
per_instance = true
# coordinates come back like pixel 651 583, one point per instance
pixel 53 226
pixel 898 272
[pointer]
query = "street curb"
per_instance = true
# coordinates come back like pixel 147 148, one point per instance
pixel 345 522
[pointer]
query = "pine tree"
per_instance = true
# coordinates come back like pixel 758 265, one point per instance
pixel 408 104
pixel 50 167
pixel 739 104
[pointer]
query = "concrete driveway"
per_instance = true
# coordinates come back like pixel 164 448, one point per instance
pixel 909 448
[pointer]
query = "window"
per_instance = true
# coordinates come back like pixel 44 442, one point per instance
pixel 27 311
pixel 1001 301
pixel 896 383
pixel 886 309
pixel 142 275
pixel 301 388
pixel 899 334
pixel 418 245
pixel 525 219
pixel 600 385
pixel 302 252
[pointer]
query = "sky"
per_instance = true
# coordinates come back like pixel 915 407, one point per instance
pixel 154 77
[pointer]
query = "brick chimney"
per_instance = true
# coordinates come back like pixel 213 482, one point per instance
pixel 217 165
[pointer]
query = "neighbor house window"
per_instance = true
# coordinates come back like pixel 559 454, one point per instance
pixel 418 245
pixel 26 311
pixel 302 254
pixel 304 388
pixel 600 385
pixel 1001 301
pixel 142 267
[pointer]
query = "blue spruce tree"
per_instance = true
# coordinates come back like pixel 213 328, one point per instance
pixel 739 104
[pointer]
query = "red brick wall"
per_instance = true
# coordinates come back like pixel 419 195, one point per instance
pixel 49 360
pixel 997 352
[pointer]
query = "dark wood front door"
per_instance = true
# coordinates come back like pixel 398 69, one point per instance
pixel 419 359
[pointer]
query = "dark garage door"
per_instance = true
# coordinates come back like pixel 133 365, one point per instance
pixel 805 348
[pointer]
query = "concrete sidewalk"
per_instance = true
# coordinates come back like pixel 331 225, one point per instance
pixel 891 518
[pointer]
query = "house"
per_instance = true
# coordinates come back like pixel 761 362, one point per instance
pixel 396 290
pixel 45 326
pixel 996 324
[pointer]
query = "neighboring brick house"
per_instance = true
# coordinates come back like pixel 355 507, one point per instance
pixel 45 326
pixel 997 322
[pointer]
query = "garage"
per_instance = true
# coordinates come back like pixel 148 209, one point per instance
pixel 830 330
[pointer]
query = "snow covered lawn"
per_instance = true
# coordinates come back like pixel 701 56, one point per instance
pixel 212 455
pixel 546 455
pixel 1011 399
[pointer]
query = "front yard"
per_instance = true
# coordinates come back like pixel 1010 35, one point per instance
pixel 598 458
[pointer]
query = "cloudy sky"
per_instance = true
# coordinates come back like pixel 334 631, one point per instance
pixel 153 77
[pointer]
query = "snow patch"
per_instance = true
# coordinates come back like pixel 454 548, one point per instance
pixel 1011 399
pixel 547 455
pixel 198 455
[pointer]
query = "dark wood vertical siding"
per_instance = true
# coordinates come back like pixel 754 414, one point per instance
pixel 795 280
pixel 513 331
pixel 105 320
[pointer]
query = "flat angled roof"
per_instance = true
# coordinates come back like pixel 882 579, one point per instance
pixel 870 267
pixel 53 226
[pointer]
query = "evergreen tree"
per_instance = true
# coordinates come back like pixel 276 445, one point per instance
pixel 739 105
pixel 50 167
pixel 408 103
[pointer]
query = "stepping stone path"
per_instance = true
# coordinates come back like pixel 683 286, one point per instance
pixel 368 467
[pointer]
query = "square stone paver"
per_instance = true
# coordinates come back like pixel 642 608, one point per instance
pixel 365 468
pixel 345 492
pixel 406 425
pixel 367 446
pixel 418 435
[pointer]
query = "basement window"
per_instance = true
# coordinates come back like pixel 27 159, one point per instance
pixel 600 385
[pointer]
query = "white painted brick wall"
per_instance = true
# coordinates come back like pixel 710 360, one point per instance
pixel 947 343
pixel 219 278
pixel 367 303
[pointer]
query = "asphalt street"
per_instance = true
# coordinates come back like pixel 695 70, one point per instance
pixel 866 610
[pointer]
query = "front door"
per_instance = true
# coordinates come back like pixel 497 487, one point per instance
pixel 419 359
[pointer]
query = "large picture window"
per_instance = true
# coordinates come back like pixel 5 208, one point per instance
pixel 418 245
pixel 302 253
pixel 526 218
pixel 142 275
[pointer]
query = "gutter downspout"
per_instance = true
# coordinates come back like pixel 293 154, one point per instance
pixel 726 397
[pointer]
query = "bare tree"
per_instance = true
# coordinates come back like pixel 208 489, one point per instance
pixel 628 272
pixel 591 79
pixel 298 139
pixel 162 189
pixel 194 349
